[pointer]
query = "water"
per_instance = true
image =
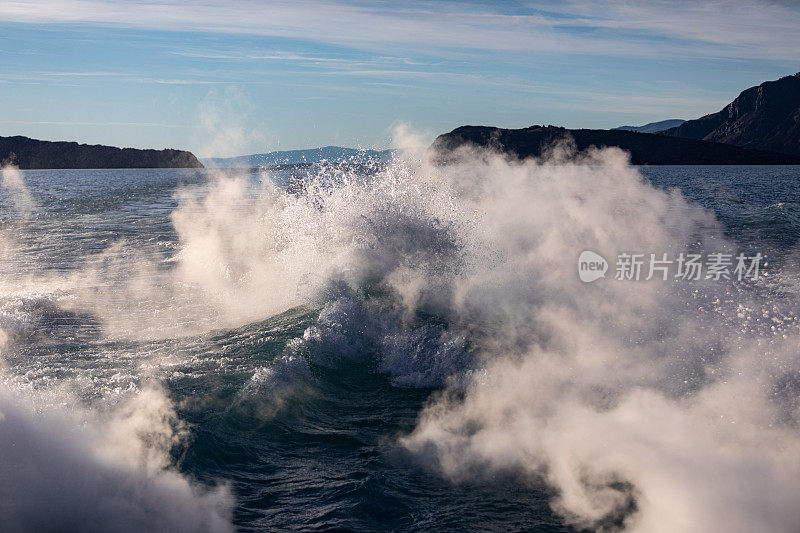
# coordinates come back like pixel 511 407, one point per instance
pixel 295 399
pixel 755 203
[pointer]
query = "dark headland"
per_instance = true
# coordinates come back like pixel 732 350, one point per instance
pixel 29 153
pixel 644 148
pixel 760 127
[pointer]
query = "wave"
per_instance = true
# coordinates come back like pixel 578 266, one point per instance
pixel 647 406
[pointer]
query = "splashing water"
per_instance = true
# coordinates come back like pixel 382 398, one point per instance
pixel 396 346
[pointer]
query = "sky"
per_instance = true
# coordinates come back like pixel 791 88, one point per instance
pixel 228 77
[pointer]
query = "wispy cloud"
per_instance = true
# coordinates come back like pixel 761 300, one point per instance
pixel 98 74
pixel 113 76
pixel 722 28
pixel 70 123
pixel 269 56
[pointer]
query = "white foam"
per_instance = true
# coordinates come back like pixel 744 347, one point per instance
pixel 66 470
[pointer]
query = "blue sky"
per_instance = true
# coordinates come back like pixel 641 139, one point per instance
pixel 230 77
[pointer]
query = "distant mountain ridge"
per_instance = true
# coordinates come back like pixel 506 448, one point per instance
pixel 30 153
pixel 653 127
pixel 644 148
pixel 294 157
pixel 765 117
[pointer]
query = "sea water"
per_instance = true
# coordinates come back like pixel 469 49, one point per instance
pixel 325 348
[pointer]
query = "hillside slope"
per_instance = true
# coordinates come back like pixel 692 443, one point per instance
pixel 766 117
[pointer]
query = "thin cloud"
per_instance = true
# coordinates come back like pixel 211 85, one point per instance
pixel 273 56
pixel 735 29
pixel 66 123
pixel 83 74
pixel 115 76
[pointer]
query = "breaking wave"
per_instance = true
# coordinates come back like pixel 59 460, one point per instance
pixel 644 406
